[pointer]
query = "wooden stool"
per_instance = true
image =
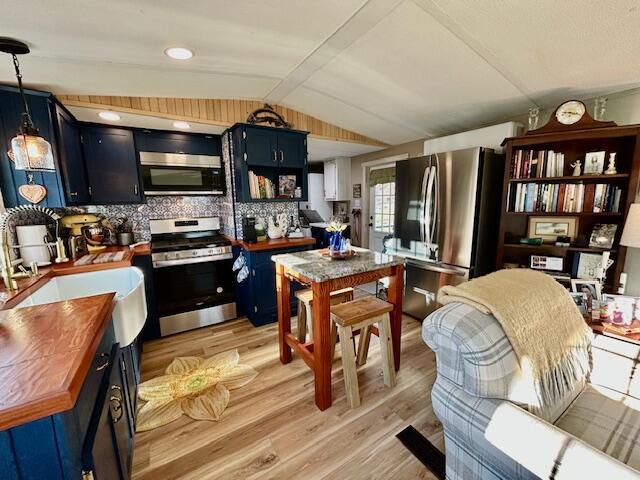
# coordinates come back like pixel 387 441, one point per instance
pixel 361 314
pixel 305 320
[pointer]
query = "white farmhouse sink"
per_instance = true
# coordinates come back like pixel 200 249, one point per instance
pixel 130 312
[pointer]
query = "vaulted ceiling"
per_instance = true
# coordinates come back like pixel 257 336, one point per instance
pixel 393 70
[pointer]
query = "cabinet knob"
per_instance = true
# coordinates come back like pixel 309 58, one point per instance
pixel 275 156
pixel 281 156
pixel 73 194
pixel 104 364
pixel 135 189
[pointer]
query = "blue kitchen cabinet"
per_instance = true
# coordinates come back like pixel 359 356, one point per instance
pixel 268 152
pixel 11 109
pixel 95 437
pixel 111 161
pixel 74 173
pixel 256 296
pixel 175 142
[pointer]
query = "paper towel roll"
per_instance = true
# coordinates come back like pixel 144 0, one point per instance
pixel 33 235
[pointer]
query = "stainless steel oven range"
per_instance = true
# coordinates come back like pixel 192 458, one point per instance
pixel 192 273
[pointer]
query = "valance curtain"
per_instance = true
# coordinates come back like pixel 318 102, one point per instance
pixel 382 175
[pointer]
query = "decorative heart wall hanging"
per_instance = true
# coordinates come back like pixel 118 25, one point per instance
pixel 32 192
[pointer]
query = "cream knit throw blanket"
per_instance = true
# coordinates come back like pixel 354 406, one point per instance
pixel 543 324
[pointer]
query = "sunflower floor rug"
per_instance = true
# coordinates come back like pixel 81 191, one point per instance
pixel 194 386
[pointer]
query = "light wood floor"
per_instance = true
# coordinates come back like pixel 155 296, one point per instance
pixel 272 428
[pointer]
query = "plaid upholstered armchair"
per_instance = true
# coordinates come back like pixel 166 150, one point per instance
pixel 492 432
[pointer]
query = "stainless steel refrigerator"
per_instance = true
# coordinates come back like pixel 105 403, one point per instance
pixel 447 213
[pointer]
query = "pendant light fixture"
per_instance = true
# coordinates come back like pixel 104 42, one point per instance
pixel 29 150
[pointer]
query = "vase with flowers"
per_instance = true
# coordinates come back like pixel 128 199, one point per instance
pixel 338 245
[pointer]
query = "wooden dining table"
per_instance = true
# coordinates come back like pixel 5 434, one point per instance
pixel 325 275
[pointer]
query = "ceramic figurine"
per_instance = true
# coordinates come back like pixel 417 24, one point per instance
pixel 273 231
pixel 611 169
pixel 576 168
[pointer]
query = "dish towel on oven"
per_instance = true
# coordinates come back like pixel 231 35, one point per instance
pixel 540 319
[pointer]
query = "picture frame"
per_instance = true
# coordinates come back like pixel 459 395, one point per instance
pixel 587 266
pixel 619 309
pixel 550 228
pixel 591 288
pixel 594 163
pixel 580 299
pixel 544 262
pixel 287 185
pixel 602 235
pixel 357 190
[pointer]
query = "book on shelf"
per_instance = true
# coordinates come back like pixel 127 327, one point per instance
pixel 537 164
pixel 260 187
pixel 564 198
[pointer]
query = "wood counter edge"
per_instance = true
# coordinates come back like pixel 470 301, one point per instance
pixel 275 244
pixel 64 399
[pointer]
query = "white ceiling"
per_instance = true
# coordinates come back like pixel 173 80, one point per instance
pixel 394 70
pixel 318 149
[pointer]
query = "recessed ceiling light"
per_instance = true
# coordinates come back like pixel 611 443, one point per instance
pixel 180 124
pixel 178 53
pixel 113 116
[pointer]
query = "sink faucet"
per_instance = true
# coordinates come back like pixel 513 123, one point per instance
pixel 8 274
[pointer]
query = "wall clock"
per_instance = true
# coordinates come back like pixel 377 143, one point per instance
pixel 570 112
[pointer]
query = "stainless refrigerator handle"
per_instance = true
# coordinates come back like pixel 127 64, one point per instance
pixel 423 203
pixel 435 237
pixel 429 204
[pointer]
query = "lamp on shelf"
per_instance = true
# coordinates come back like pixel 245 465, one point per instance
pixel 631 233
pixel 29 150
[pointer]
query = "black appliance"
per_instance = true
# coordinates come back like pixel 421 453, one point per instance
pixel 249 230
pixel 194 282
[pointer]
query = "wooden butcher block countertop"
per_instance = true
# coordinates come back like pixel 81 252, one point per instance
pixel 45 354
pixel 275 244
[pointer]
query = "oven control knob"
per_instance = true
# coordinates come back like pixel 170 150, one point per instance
pixel 195 254
pixel 219 289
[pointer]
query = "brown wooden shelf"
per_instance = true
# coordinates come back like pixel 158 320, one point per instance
pixel 549 246
pixel 581 178
pixel 565 214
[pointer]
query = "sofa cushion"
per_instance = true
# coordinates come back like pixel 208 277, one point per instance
pixel 607 420
pixel 473 352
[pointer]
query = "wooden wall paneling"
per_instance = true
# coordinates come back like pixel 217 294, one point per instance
pixel 223 112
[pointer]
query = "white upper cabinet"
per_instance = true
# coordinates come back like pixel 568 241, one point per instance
pixel 337 179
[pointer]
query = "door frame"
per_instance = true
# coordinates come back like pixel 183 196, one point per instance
pixel 366 170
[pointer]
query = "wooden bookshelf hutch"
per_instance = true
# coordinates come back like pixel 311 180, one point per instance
pixel 574 141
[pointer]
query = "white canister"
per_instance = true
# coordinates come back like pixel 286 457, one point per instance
pixel 33 235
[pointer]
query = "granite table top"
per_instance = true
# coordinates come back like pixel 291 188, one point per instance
pixel 318 268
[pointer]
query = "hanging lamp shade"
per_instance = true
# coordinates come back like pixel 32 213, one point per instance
pixel 30 151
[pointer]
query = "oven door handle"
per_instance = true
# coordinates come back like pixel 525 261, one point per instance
pixel 188 261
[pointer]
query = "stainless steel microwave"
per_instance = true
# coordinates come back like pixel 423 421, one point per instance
pixel 181 174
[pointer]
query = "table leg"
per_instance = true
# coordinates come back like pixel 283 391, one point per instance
pixel 283 292
pixel 396 286
pixel 322 343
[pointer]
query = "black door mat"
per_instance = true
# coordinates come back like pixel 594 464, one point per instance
pixel 423 450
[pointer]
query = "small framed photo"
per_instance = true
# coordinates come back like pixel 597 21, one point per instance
pixel 588 266
pixel 542 262
pixel 550 228
pixel 591 288
pixel 357 190
pixel 580 299
pixel 620 309
pixel 594 163
pixel 602 235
